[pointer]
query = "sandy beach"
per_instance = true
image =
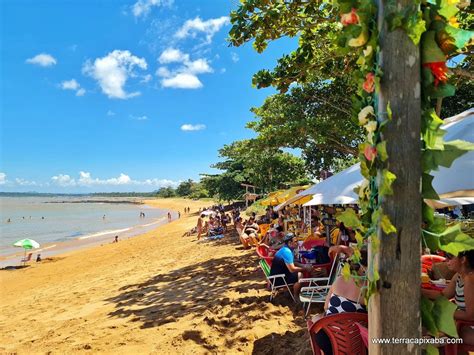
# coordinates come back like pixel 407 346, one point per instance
pixel 152 294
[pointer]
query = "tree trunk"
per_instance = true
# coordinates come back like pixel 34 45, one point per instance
pixel 394 312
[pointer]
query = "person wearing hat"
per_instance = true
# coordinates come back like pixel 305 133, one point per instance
pixel 284 263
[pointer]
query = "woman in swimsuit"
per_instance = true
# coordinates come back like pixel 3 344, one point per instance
pixel 461 288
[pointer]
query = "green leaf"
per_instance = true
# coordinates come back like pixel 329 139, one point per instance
pixel 427 189
pixel 433 135
pixel 387 180
pixel 442 90
pixel 389 111
pixel 453 150
pixel 346 272
pixel 447 10
pixel 430 51
pixel 415 27
pixel 387 225
pixel 382 151
pixel 349 218
pixel 461 37
pixel 443 312
pixel 431 240
pixel 431 350
pixel 428 214
pixel 431 158
pixel 454 241
pixel 427 317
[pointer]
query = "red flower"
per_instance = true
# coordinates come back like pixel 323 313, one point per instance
pixel 370 153
pixel 439 71
pixel 369 83
pixel 350 18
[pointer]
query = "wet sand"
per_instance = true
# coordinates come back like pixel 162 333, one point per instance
pixel 152 294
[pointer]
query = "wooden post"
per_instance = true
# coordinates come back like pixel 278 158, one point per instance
pixel 394 312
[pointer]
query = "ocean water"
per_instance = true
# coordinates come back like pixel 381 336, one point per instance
pixel 50 220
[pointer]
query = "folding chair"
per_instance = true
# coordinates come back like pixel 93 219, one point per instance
pixel 318 287
pixel 272 280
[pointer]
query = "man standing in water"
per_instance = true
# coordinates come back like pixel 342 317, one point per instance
pixel 169 216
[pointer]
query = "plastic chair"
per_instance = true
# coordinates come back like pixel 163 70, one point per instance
pixel 343 332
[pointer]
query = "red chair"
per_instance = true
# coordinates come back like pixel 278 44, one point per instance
pixel 343 332
pixel 453 349
pixel 265 253
pixel 314 243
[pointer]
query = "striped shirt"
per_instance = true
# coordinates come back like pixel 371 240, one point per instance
pixel 459 294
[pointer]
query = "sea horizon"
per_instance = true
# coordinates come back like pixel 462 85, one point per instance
pixel 55 220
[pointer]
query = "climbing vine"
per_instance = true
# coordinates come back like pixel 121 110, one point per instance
pixel 432 25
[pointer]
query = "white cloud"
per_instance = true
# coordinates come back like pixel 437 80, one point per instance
pixel 182 81
pixel 146 78
pixel 70 85
pixel 171 55
pixel 189 127
pixel 139 118
pixel 163 72
pixel 3 178
pixel 23 182
pixel 143 7
pixel 234 57
pixel 80 92
pixel 63 180
pixel 210 27
pixel 198 66
pixel 86 180
pixel 73 85
pixel 113 71
pixel 185 75
pixel 110 113
pixel 43 60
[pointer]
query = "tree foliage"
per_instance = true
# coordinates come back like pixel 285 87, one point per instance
pixel 315 118
pixel 248 161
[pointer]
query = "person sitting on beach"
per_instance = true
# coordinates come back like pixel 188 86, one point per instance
pixel 115 239
pixel 249 235
pixel 284 263
pixel 344 296
pixel 273 239
pixel 38 258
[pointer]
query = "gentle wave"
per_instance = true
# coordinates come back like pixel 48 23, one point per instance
pixel 153 223
pixel 105 233
pixel 115 231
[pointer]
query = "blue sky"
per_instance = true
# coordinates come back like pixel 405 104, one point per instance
pixel 121 95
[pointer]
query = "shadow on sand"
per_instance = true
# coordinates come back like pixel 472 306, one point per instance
pixel 199 290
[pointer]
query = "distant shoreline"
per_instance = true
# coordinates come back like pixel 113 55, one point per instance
pixel 100 201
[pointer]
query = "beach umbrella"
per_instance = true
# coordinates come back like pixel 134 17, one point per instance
pixel 454 185
pixel 27 244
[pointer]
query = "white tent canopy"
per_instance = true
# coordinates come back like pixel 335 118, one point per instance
pixel 455 185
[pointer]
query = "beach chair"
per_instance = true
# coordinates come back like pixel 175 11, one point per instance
pixel 264 252
pixel 317 288
pixel 343 332
pixel 27 258
pixel 272 280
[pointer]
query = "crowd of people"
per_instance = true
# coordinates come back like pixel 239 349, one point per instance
pixel 284 234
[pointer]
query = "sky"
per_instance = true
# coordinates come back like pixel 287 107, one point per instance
pixel 121 95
